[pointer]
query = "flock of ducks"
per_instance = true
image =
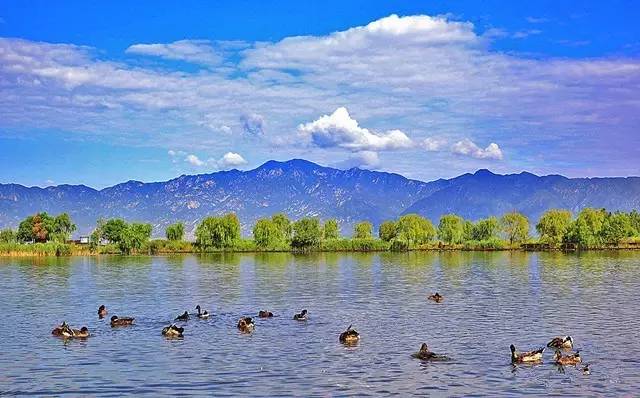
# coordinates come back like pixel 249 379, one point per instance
pixel 349 337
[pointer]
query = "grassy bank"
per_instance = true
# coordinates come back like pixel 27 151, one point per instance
pixel 161 246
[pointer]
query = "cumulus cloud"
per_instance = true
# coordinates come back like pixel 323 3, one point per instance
pixel 340 130
pixel 195 51
pixel 433 144
pixel 230 159
pixel 252 124
pixel 227 161
pixel 363 160
pixel 469 148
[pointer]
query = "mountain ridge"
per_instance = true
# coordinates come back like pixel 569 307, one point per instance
pixel 300 188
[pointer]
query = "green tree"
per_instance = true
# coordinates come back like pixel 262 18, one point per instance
pixel 284 225
pixel 413 229
pixel 634 219
pixel 218 232
pixel 38 228
pixel 306 233
pixel 63 227
pixel 363 230
pixel 586 230
pixel 175 232
pixel 8 236
pixel 113 230
pixel 616 227
pixel 467 231
pixel 266 233
pixel 451 228
pixel 387 231
pixel 553 226
pixel 331 229
pixel 133 237
pixel 515 226
pixel 485 229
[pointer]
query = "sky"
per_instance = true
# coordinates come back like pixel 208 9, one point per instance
pixel 98 93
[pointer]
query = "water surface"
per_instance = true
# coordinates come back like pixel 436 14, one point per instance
pixel 491 301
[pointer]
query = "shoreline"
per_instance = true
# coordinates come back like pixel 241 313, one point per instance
pixel 84 252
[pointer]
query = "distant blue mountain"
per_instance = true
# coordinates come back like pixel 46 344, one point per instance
pixel 301 188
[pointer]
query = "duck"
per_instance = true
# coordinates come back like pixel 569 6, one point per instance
pixel 172 331
pixel 349 336
pixel 302 316
pixel 571 359
pixel 561 342
pixel 124 321
pixel 425 355
pixel 61 330
pixel 586 369
pixel 265 314
pixel 530 356
pixel 201 314
pixel 183 317
pixel 437 297
pixel 81 333
pixel 102 311
pixel 246 325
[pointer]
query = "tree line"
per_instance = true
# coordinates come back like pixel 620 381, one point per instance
pixel 590 228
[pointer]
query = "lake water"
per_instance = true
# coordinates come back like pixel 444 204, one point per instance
pixel 491 301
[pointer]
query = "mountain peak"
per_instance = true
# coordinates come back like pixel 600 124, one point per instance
pixel 484 172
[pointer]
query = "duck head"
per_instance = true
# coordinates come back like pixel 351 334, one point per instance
pixel 303 313
pixel 424 347
pixel 114 318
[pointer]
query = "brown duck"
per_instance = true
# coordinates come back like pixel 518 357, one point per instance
pixel 349 336
pixel 246 325
pixel 265 314
pixel 437 297
pixel 124 321
pixel 529 356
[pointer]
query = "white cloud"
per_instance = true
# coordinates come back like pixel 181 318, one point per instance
pixel 469 148
pixel 196 51
pixel 194 160
pixel 433 144
pixel 342 131
pixel 363 160
pixel 227 161
pixel 230 159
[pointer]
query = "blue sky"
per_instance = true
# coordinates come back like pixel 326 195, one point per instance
pixel 103 92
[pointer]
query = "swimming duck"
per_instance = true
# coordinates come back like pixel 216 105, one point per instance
pixel 561 342
pixel 265 314
pixel 572 359
pixel 201 314
pixel 302 316
pixel 349 336
pixel 172 331
pixel 102 311
pixel 183 317
pixel 425 355
pixel 246 325
pixel 124 321
pixel 586 370
pixel 81 333
pixel 437 297
pixel 530 356
pixel 61 329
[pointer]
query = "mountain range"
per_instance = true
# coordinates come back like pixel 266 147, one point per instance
pixel 301 188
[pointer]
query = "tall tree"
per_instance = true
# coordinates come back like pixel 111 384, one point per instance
pixel 363 230
pixel 331 229
pixel 553 226
pixel 306 233
pixel 451 228
pixel 175 232
pixel 485 229
pixel 515 226
pixel 387 231
pixel 414 229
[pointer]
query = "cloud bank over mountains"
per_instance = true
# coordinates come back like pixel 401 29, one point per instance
pixel 399 92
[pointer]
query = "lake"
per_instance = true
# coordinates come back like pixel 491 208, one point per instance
pixel 491 301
